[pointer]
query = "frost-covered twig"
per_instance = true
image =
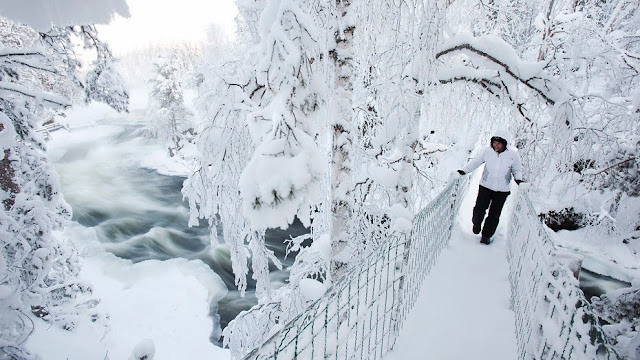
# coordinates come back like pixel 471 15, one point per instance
pixel 597 172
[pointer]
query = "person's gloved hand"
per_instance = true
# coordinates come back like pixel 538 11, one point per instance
pixel 518 182
pixel 461 172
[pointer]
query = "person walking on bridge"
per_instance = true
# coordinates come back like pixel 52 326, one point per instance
pixel 501 165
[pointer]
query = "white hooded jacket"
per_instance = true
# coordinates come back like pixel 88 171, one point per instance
pixel 499 168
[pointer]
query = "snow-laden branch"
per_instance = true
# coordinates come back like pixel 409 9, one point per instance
pixel 8 52
pixel 467 73
pixel 25 57
pixel 502 54
pixel 53 99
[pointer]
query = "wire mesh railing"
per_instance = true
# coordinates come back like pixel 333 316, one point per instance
pixel 553 318
pixel 360 316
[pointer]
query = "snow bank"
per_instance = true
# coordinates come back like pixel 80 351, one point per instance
pixel 80 116
pixel 159 306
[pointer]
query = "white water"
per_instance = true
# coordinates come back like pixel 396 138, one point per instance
pixel 155 278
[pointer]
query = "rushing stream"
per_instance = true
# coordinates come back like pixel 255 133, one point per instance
pixel 594 284
pixel 139 214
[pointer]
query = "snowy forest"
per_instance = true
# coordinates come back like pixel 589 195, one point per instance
pixel 331 122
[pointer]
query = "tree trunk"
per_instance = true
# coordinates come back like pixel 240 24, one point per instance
pixel 6 178
pixel 341 182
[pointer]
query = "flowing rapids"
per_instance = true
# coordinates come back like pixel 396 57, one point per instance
pixel 139 214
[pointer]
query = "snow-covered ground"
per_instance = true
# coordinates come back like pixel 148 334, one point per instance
pixel 602 253
pixel 162 303
pixel 463 308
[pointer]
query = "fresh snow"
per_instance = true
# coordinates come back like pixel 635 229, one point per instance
pixel 463 308
pixel 311 289
pixel 159 305
pixel 497 48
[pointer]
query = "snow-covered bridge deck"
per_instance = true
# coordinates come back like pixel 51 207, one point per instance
pixel 463 311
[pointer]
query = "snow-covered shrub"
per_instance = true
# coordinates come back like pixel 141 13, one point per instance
pixel 620 310
pixel 565 219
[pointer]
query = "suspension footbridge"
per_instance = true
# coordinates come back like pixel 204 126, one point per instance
pixel 463 310
pixel 439 294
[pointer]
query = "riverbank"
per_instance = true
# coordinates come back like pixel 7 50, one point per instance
pixel 168 305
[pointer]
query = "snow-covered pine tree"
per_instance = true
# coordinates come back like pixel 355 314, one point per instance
pixel 136 65
pixel 38 273
pixel 168 114
pixel 286 104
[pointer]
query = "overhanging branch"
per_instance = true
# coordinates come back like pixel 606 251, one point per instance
pixel 52 99
pixel 506 67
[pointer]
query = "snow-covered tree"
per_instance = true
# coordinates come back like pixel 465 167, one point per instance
pixel 39 72
pixel 273 112
pixel 341 124
pixel 136 66
pixel 168 114
pixel 570 76
pixel 225 147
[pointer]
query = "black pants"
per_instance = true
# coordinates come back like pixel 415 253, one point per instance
pixel 494 200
